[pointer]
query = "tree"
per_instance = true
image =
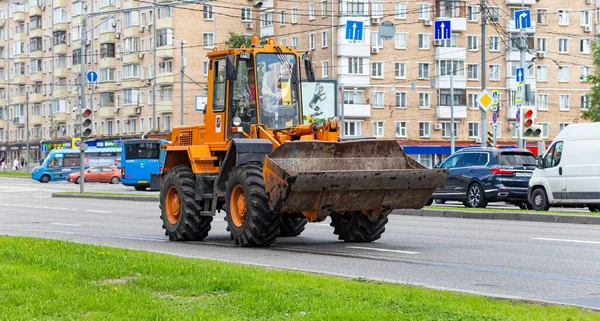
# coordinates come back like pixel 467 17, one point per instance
pixel 237 40
pixel 592 113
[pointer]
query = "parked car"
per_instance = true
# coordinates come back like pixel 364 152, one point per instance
pixel 568 174
pixel 102 174
pixel 479 175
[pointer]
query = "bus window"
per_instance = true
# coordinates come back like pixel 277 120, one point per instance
pixel 71 160
pixel 142 151
pixel 56 162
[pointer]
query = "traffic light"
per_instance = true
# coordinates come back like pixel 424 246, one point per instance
pixel 529 131
pixel 491 139
pixel 86 123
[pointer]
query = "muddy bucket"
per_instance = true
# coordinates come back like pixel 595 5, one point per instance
pixel 364 175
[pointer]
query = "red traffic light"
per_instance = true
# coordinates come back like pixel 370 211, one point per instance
pixel 529 113
pixel 86 113
pixel 528 122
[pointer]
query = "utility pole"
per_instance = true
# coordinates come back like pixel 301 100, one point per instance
pixel 452 138
pixel 522 52
pixel 181 80
pixel 82 75
pixel 342 125
pixel 7 69
pixel 483 68
pixel 52 75
pixel 154 13
pixel 27 128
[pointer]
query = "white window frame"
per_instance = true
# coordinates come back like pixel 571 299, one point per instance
pixel 401 127
pixel 378 128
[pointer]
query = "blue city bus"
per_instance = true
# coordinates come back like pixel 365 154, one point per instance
pixel 61 162
pixel 142 161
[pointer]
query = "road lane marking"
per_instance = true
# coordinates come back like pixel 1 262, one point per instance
pixel 97 211
pixel 65 224
pixel 564 240
pixel 41 207
pixel 381 250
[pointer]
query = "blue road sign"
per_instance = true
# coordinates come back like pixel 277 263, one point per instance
pixel 44 148
pixel 520 74
pixel 518 117
pixel 442 30
pixel 522 19
pixel 91 76
pixel 354 30
pixel 495 117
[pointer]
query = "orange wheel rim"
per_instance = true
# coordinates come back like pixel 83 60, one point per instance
pixel 237 205
pixel 173 206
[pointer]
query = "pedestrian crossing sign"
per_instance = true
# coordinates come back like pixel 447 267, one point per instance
pixel 519 94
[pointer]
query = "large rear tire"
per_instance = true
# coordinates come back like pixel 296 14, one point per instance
pixel 356 227
pixel 249 218
pixel 180 212
pixel 292 225
pixel 140 188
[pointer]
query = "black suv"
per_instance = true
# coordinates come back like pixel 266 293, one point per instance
pixel 481 175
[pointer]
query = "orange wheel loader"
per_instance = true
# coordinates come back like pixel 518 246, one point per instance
pixel 256 160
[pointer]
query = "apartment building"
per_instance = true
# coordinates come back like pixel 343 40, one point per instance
pixel 134 46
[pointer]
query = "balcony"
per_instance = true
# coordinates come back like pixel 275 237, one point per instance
pixel 133 31
pixel 106 112
pixel 36 33
pixel 35 54
pixel 165 79
pixel 164 107
pixel 19 121
pixel 62 26
pixel 2 83
pixel 357 110
pixel 130 4
pixel 18 16
pixel 107 62
pixel 35 11
pixel 60 93
pixel 76 69
pixel 164 23
pixel 19 99
pixel 19 79
pixel 455 11
pixel 60 117
pixel 515 55
pixel 511 83
pixel 36 76
pixel 35 120
pixel 450 53
pixel 59 3
pixel 61 72
pixel 21 36
pixel 2 23
pixel 130 83
pixel 36 97
pixel 108 86
pixel 460 82
pixel 2 123
pixel 2 41
pixel 443 112
pixel 130 58
pixel 132 110
pixel 510 27
pixel 107 37
pixel 60 49
pixel 163 52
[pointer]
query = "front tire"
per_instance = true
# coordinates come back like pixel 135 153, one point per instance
pixel 292 225
pixel 45 179
pixel 540 200
pixel 594 208
pixel 114 180
pixel 249 218
pixel 356 227
pixel 140 188
pixel 476 196
pixel 180 212
pixel 78 180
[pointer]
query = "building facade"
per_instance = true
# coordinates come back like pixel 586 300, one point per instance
pixel 398 88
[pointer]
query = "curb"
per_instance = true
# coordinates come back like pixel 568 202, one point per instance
pixel 506 216
pixel 10 176
pixel 102 197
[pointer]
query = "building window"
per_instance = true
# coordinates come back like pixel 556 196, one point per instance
pixel 542 44
pixel 294 42
pixel 351 98
pixel 282 18
pixel 424 100
pixel 542 102
pixel 562 126
pixel 311 11
pixel 401 100
pixel 378 128
pixel 165 66
pixel 473 101
pixel 563 73
pixel 377 69
pixel 107 74
pixel 208 40
pixel 352 128
pixel 378 99
pixel 207 12
pixel 563 17
pixel 545 130
pixel 494 43
pixel 424 129
pixel 472 43
pixel 400 70
pixel 564 102
pixel 164 37
pixel 542 16
pixel 563 45
pixel 472 13
pixel 472 71
pixel 355 66
pixel 246 14
pixel 542 73
pixel 266 19
pixel 377 9
pixel 494 14
pixel 585 46
pixel 400 40
pixel 423 70
pixel 294 15
pixel 131 71
pixel 446 133
pixel 311 41
pixel 584 102
pixel 473 130
pixel 324 9
pixel 424 11
pixel 494 71
pixel 584 72
pixel 324 39
pixel 401 130
pixel 131 18
pixel 324 68
pixel 400 10
pixel 423 41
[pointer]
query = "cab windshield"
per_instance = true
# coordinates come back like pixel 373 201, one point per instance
pixel 277 88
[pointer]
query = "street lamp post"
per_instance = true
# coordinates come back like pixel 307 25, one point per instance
pixel 182 75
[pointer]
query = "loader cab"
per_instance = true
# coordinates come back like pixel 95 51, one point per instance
pixel 258 85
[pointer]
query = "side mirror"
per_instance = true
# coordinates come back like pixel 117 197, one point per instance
pixel 308 68
pixel 231 70
pixel 540 162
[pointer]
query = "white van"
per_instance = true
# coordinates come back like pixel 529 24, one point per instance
pixel 568 174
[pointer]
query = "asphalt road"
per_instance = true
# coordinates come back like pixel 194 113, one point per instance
pixel 538 261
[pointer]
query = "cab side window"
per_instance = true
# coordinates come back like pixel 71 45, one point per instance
pixel 219 81
pixel 554 155
pixel 451 161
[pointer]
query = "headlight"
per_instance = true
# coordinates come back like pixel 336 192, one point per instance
pixel 237 121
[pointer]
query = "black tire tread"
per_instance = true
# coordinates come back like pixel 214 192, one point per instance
pixel 292 225
pixel 261 226
pixel 358 228
pixel 192 226
pixel 546 205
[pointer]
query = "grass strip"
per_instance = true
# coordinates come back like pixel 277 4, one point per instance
pixel 109 194
pixel 504 210
pixel 57 280
pixel 15 174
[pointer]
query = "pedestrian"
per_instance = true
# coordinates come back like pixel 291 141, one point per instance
pixel 16 164
pixel 22 161
pixel 3 163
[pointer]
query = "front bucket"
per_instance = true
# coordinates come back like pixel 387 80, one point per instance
pixel 363 175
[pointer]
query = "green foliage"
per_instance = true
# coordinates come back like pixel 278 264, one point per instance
pixel 593 111
pixel 237 40
pixel 57 280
